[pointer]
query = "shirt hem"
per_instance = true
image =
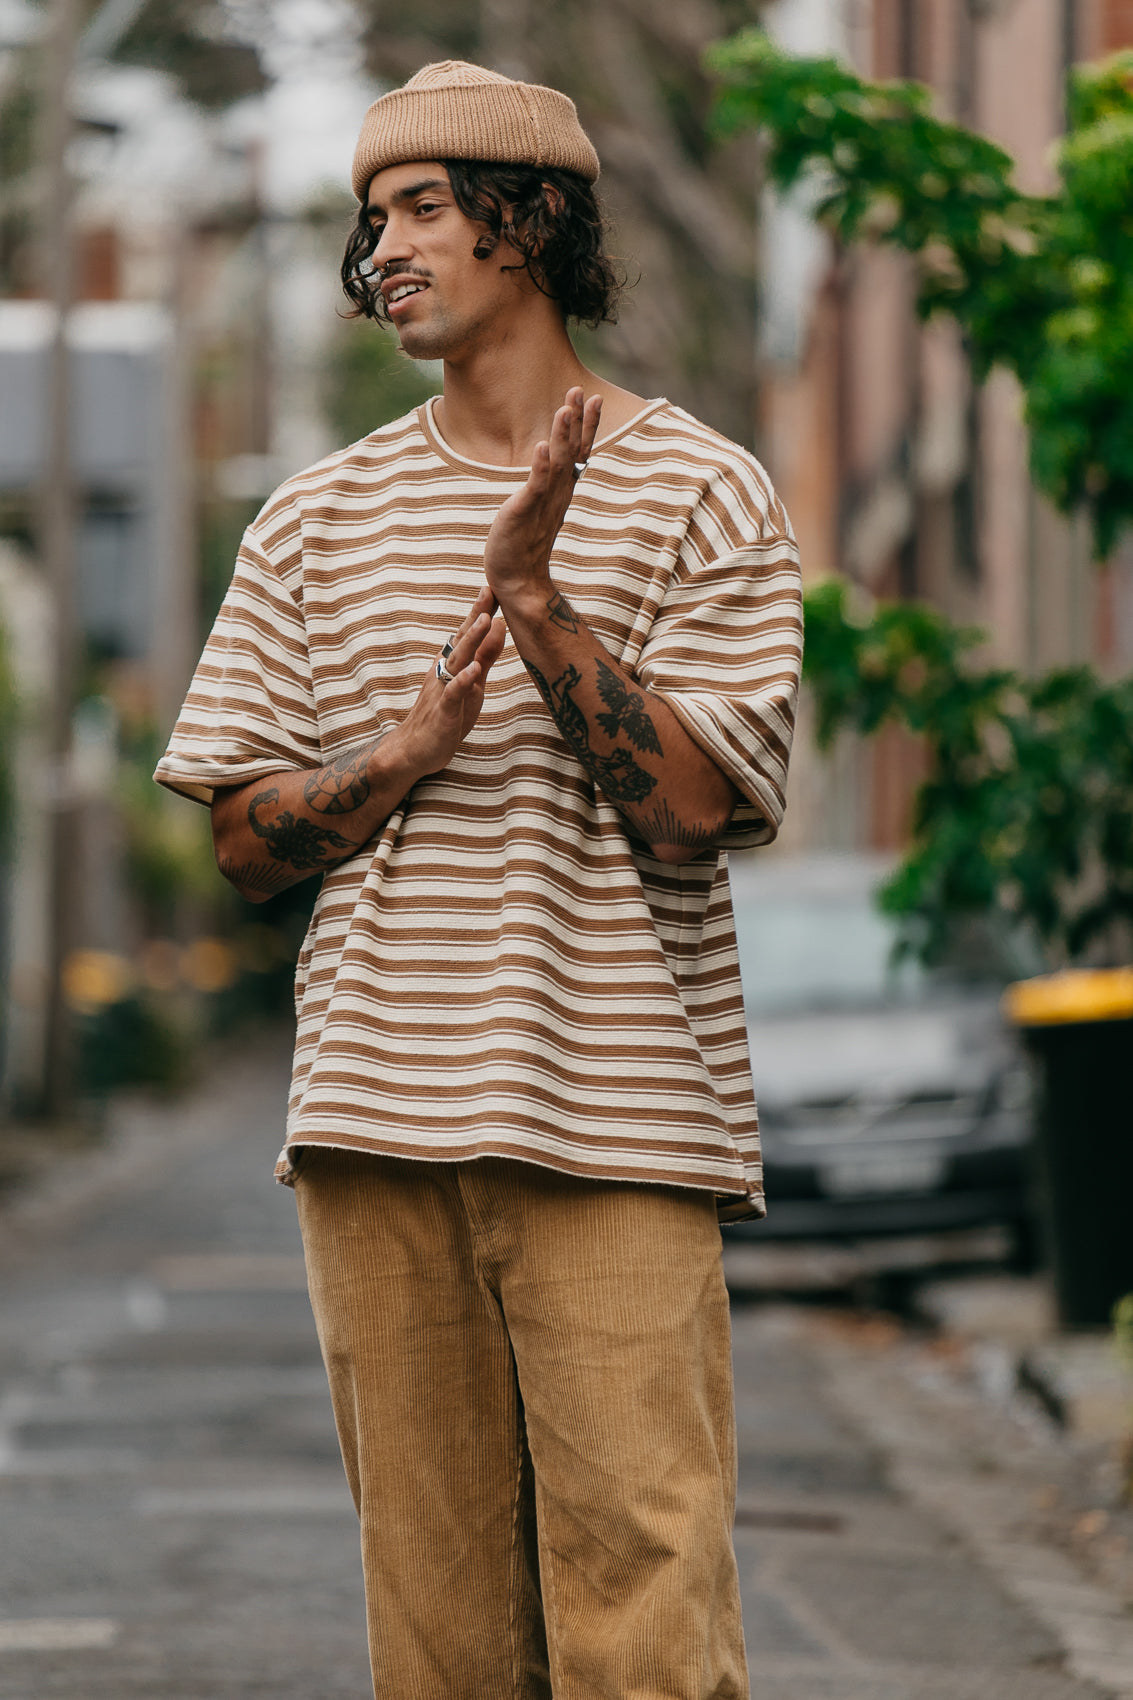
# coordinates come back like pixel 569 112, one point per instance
pixel 731 1205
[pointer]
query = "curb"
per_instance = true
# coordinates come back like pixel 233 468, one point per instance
pixel 979 1466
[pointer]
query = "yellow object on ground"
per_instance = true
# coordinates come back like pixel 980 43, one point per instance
pixel 1077 994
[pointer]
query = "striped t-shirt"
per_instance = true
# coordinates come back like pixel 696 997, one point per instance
pixel 503 970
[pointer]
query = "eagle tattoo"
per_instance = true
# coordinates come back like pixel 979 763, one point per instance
pixel 627 714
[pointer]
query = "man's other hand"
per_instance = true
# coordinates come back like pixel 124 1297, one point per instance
pixel 446 711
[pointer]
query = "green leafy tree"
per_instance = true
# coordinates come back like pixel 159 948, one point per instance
pixel 1026 816
pixel 1040 284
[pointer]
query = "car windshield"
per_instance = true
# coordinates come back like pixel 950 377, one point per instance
pixel 818 941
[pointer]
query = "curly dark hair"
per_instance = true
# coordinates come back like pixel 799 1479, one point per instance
pixel 559 238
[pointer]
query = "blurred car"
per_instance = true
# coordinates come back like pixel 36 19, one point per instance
pixel 893 1099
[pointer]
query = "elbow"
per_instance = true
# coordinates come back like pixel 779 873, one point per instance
pixel 247 894
pixel 693 838
pixel 223 848
pixel 222 852
pixel 235 873
pixel 692 843
pixel 239 860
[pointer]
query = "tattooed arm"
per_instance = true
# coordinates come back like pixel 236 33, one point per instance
pixel 287 826
pixel 290 825
pixel 632 745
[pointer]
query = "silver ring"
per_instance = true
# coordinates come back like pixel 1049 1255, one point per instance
pixel 442 671
pixel 449 647
pixel 579 468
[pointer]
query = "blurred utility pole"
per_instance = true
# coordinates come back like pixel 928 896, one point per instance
pixel 57 530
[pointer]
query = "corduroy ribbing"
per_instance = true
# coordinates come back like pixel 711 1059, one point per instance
pixel 453 110
pixel 441 1290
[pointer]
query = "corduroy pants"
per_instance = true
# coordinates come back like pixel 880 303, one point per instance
pixel 531 1377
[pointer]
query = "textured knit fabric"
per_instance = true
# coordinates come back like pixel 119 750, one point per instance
pixel 502 970
pixel 532 1380
pixel 453 110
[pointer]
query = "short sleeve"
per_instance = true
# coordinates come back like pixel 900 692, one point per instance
pixel 250 709
pixel 725 650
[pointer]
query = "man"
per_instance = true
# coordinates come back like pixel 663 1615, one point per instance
pixel 511 673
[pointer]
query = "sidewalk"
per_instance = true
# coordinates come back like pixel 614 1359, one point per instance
pixel 1017 1501
pixel 176 1526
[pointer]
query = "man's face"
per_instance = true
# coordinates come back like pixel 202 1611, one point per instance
pixel 440 297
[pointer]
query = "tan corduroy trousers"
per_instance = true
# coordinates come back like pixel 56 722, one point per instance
pixel 531 1376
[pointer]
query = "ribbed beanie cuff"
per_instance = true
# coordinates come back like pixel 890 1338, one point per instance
pixel 453 110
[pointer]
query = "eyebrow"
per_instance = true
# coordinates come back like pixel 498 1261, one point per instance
pixel 407 194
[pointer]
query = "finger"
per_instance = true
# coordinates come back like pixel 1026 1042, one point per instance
pixel 484 604
pixel 467 641
pixel 459 650
pixel 541 470
pixel 575 401
pixel 491 645
pixel 561 434
pixel 457 688
pixel 591 419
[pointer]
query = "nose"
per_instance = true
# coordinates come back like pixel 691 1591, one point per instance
pixel 393 244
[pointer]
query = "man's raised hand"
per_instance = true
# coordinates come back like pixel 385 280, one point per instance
pixel 518 551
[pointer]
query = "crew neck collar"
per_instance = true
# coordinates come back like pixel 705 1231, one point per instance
pixel 487 469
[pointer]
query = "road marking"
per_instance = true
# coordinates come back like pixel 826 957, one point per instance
pixel 268 1501
pixel 56 1634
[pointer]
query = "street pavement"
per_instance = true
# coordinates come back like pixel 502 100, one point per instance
pixel 175 1525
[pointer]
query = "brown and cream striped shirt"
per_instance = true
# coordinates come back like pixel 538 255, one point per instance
pixel 503 970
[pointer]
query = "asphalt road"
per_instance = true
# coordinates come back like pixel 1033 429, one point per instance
pixel 175 1524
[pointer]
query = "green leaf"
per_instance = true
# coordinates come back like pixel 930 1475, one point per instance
pixel 1025 817
pixel 1042 285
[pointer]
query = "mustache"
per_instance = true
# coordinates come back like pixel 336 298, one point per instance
pixel 396 270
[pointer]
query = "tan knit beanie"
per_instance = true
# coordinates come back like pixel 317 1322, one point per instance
pixel 453 110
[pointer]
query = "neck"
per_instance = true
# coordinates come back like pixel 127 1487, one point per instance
pixel 500 397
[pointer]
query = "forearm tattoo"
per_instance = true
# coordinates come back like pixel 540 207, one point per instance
pixel 561 614
pixel 342 785
pixel 302 844
pixel 299 846
pixel 628 712
pixel 622 778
